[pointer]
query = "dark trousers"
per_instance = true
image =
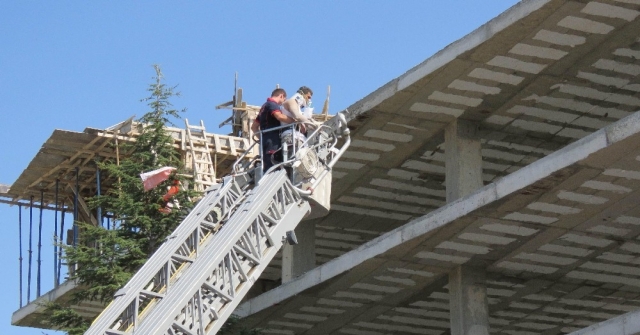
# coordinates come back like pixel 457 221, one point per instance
pixel 271 152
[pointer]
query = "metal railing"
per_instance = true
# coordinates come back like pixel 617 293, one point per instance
pixel 323 141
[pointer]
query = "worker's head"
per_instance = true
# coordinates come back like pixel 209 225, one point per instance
pixel 279 95
pixel 306 92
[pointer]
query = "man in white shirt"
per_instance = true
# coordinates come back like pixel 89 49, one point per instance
pixel 299 108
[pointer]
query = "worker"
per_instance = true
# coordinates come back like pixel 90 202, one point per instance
pixel 270 116
pixel 167 203
pixel 299 108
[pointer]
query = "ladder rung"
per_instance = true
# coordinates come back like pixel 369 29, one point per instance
pixel 152 294
pixel 182 258
pixel 205 171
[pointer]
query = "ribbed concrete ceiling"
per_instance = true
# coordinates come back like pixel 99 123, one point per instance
pixel 559 240
pixel 536 78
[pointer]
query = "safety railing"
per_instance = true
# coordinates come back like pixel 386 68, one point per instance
pixel 319 146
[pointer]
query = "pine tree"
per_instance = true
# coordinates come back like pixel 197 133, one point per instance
pixel 106 259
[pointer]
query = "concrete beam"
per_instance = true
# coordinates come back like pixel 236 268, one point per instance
pixel 428 67
pixel 469 311
pixel 463 159
pixel 626 324
pixel 300 258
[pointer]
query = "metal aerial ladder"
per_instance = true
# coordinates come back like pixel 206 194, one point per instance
pixel 195 280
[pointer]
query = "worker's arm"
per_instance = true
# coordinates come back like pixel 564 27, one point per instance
pixel 255 126
pixel 292 106
pixel 282 117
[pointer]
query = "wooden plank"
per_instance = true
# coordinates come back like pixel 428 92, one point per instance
pixel 85 208
pixel 26 203
pixel 232 147
pixel 216 142
pixel 70 159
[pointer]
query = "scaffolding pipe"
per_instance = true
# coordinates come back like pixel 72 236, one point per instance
pixel 62 215
pixel 99 210
pixel 38 275
pixel 20 247
pixel 55 238
pixel 75 208
pixel 30 251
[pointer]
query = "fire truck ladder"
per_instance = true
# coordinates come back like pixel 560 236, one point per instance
pixel 195 280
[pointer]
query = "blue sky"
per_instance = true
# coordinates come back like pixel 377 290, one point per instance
pixel 76 64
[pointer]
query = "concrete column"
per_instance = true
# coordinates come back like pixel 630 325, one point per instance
pixel 300 258
pixel 463 159
pixel 469 310
pixel 467 291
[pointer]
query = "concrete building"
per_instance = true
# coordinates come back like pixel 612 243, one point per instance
pixel 493 188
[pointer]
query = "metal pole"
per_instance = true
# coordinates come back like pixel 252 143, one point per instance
pixel 20 246
pixel 75 208
pixel 38 276
pixel 99 210
pixel 62 215
pixel 55 239
pixel 30 251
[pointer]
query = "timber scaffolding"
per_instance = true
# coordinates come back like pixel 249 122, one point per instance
pixel 67 154
pixel 66 165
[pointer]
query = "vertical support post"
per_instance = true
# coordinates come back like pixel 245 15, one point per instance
pixel 469 311
pixel 260 170
pixel 75 208
pixel 300 258
pixel 56 282
pixel 463 159
pixel 20 246
pixel 38 275
pixel 62 215
pixel 98 191
pixel 30 251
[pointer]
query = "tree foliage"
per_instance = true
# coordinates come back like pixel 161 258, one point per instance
pixel 105 259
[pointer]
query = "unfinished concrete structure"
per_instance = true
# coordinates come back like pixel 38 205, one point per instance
pixel 491 189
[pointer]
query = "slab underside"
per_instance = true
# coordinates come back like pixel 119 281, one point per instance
pixel 559 240
pixel 534 79
pixel 33 314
